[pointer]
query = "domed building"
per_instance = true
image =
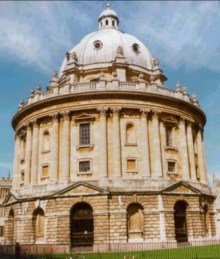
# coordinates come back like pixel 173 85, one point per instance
pixel 108 154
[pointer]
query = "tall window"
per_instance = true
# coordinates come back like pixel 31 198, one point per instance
pixel 130 134
pixel 171 166
pixel 169 139
pixel 46 141
pixel 84 134
pixel 38 219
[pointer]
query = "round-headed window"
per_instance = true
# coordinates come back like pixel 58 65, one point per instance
pixel 136 48
pixel 97 44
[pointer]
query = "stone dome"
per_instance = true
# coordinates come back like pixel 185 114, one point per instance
pixel 102 45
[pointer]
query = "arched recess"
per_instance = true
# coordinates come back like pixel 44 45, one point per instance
pixel 46 141
pixel 38 224
pixel 206 219
pixel 130 134
pixel 11 222
pixel 81 225
pixel 135 222
pixel 180 221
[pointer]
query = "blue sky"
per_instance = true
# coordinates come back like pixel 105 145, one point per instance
pixel 184 35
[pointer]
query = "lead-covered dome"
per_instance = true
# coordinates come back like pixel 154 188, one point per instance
pixel 102 45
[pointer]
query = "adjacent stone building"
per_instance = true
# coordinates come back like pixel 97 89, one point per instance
pixel 5 186
pixel 108 154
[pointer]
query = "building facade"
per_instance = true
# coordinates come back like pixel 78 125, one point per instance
pixel 108 154
pixel 5 186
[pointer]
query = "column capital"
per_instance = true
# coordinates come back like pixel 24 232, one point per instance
pixel 144 112
pixel 65 115
pixel 116 111
pixel 102 111
pixel 34 123
pixel 182 120
pixel 28 126
pixel 54 117
pixel 155 114
pixel 189 123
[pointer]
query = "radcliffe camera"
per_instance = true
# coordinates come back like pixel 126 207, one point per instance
pixel 108 161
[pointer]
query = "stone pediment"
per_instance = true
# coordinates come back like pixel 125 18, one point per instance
pixel 80 189
pixel 181 188
pixel 10 198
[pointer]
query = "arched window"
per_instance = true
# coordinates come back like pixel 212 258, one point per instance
pixel 38 224
pixel 46 141
pixel 106 22
pixel 130 134
pixel 81 222
pixel 135 222
pixel 10 226
pixel 180 221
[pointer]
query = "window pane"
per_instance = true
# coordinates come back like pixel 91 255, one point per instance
pixel 171 166
pixel 84 166
pixel 84 134
pixel 131 164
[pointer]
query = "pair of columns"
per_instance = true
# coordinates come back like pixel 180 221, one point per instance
pixel 186 148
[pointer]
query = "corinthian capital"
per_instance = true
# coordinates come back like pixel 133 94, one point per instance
pixel 144 112
pixel 102 111
pixel 116 111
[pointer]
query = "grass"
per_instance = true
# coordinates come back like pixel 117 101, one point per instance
pixel 198 252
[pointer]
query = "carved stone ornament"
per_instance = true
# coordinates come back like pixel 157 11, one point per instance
pixel 120 52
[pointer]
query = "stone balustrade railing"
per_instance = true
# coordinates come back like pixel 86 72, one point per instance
pixel 113 85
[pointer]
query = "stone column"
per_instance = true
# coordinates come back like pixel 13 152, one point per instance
pixel 201 164
pixel 116 143
pixel 144 145
pixel 35 152
pixel 191 151
pixel 28 148
pixel 16 165
pixel 156 145
pixel 183 150
pixel 65 156
pixel 103 143
pixel 54 161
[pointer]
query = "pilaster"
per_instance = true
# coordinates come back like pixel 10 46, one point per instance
pixel 156 145
pixel 103 142
pixel 65 156
pixel 54 162
pixel 116 142
pixel 28 149
pixel 191 151
pixel 35 151
pixel 144 144
pixel 183 150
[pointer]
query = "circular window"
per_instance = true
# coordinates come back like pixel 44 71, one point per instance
pixel 136 48
pixel 97 44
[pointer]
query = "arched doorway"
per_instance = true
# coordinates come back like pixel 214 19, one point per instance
pixel 135 222
pixel 81 225
pixel 11 220
pixel 180 221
